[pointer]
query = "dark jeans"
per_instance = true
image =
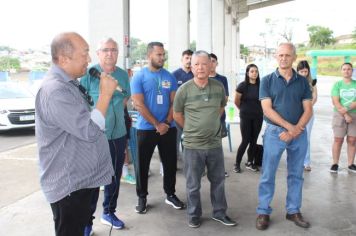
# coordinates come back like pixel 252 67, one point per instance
pixel 250 129
pixel 111 191
pixel 147 141
pixel 72 213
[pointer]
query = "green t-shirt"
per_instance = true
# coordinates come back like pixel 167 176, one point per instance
pixel 201 110
pixel 346 93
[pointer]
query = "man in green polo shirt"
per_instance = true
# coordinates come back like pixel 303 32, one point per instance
pixel 197 108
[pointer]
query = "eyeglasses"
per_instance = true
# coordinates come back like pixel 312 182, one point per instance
pixel 106 50
pixel 84 92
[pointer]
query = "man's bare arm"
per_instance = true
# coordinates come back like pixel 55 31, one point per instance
pixel 179 118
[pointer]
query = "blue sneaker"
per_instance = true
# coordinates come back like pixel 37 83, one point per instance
pixel 111 220
pixel 88 230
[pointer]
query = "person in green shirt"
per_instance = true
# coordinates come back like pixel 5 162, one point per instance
pixel 344 119
pixel 197 108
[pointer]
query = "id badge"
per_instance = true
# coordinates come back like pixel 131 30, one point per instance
pixel 159 99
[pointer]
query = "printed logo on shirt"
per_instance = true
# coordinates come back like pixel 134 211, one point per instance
pixel 166 84
pixel 348 95
pixel 180 82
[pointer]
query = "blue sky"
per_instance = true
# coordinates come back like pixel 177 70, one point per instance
pixel 34 24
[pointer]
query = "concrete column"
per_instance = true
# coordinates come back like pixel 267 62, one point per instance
pixel 178 38
pixel 109 20
pixel 218 24
pixel 234 55
pixel 227 45
pixel 238 52
pixel 204 22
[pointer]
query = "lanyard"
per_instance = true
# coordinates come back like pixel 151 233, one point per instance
pixel 159 83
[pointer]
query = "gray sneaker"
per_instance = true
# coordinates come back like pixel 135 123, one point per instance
pixel 141 207
pixel 194 222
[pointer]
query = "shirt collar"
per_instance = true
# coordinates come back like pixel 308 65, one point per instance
pixel 278 75
pixel 58 70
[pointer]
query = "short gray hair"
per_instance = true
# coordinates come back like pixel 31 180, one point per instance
pixel 291 45
pixel 105 40
pixel 201 53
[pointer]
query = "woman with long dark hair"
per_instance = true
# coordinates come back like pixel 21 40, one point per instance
pixel 251 116
pixel 303 69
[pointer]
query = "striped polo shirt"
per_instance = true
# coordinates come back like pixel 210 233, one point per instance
pixel 73 149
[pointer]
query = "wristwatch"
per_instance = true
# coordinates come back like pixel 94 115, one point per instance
pixel 167 122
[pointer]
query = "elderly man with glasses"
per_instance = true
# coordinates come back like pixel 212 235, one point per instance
pixel 115 128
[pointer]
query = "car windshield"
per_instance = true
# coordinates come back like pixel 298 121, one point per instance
pixel 9 90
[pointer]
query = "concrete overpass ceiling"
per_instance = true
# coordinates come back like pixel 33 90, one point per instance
pixel 256 4
pixel 241 8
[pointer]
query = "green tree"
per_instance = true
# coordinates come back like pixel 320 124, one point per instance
pixel 9 63
pixel 6 48
pixel 320 36
pixel 193 46
pixel 138 50
pixel 354 36
pixel 244 50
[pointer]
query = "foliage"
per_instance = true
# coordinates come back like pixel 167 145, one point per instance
pixel 320 36
pixel 354 35
pixel 9 63
pixel 244 50
pixel 193 46
pixel 138 50
pixel 6 48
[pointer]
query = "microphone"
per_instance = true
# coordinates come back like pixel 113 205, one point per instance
pixel 96 74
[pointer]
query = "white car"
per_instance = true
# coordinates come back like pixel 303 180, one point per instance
pixel 17 107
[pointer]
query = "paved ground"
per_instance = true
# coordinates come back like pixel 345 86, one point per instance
pixel 329 200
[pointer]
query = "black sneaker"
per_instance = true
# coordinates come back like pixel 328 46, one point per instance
pixel 225 220
pixel 251 167
pixel 334 168
pixel 141 206
pixel 237 169
pixel 174 202
pixel 194 222
pixel 352 168
pixel 226 174
pixel 248 164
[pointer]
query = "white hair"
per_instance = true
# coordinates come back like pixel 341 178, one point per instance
pixel 105 40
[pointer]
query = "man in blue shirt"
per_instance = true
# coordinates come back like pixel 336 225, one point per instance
pixel 286 102
pixel 74 156
pixel 222 79
pixel 182 75
pixel 153 90
pixel 115 127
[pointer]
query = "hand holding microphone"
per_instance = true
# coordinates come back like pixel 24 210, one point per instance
pixel 96 74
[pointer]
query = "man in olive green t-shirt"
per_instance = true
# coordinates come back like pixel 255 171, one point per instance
pixel 197 107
